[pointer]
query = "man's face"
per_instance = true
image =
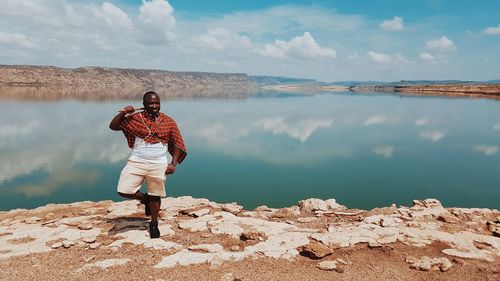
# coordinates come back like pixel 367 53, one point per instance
pixel 152 104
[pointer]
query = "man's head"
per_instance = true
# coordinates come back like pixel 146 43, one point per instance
pixel 151 102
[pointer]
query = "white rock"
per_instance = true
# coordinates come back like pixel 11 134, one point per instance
pixel 198 224
pixel 207 248
pixel 111 262
pixel 56 245
pixel 89 239
pixel 232 208
pixel 199 213
pixel 313 204
pixel 307 219
pixel 333 205
pixel 32 220
pixel 327 265
pixel 67 243
pixel 391 221
pixel 94 246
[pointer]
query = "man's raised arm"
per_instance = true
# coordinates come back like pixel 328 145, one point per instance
pixel 117 120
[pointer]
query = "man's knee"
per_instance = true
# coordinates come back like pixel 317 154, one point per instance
pixel 125 195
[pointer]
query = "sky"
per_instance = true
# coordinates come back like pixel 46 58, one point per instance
pixel 383 40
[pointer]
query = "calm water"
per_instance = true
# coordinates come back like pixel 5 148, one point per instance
pixel 363 150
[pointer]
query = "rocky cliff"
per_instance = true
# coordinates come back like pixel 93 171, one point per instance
pixel 44 82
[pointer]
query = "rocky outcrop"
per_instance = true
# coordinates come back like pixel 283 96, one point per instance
pixel 103 83
pixel 195 231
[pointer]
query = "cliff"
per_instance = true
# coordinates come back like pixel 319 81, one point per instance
pixel 98 83
pixel 203 240
pixel 483 90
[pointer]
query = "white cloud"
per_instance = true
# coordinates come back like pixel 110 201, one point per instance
pixel 443 44
pixel 15 40
pixel 488 150
pixel 427 57
pixel 494 30
pixel 384 150
pixel 396 24
pixel 422 122
pixel 386 58
pixel 220 38
pixel 158 22
pixel 302 47
pixel 496 126
pixel 433 136
pixel 114 17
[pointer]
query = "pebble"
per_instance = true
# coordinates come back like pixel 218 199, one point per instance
pixel 234 248
pixel 307 219
pixel 327 265
pixel 90 239
pixel 67 243
pixel 56 245
pixel 94 246
pixel 85 226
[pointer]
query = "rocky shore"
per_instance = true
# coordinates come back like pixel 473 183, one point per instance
pixel 204 240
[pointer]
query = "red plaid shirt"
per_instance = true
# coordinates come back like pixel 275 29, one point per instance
pixel 163 129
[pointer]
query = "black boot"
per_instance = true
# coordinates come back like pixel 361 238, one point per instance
pixel 154 232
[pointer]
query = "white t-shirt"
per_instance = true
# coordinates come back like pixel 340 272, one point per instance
pixel 156 153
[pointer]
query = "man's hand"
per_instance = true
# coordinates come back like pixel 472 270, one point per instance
pixel 170 169
pixel 128 109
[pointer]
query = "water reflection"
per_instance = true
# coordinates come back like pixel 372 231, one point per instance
pixel 363 150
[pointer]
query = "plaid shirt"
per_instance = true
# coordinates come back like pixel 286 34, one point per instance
pixel 163 129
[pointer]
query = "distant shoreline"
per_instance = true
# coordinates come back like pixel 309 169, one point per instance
pixel 104 83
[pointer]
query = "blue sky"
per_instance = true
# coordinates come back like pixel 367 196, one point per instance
pixel 326 40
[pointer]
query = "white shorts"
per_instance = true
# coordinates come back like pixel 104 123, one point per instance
pixel 134 173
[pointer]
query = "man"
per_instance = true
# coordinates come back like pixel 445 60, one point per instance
pixel 157 148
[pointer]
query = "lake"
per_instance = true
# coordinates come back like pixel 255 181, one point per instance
pixel 363 150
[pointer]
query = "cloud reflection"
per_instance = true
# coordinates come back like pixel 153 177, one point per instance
pixel 384 150
pixel 56 181
pixel 433 136
pixel 300 129
pixel 487 150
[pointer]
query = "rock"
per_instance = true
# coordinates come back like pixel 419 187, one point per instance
pixel 215 262
pixel 234 248
pixel 307 219
pixel 313 204
pixel 494 228
pixel 67 243
pixel 287 212
pixel 94 246
pixel 89 259
pixel 89 239
pixel 206 248
pixel 199 213
pixel 449 218
pixel 342 261
pixel 205 235
pixel 332 204
pixel 373 244
pixel 32 220
pixel 426 263
pixel 315 250
pixel 232 208
pixel 251 234
pixel 327 265
pixel 388 221
pixel 375 219
pixel 56 245
pixel 86 226
pixel 427 208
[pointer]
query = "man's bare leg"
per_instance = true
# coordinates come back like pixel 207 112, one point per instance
pixel 144 198
pixel 154 206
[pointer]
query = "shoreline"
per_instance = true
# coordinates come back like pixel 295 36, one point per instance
pixel 207 240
